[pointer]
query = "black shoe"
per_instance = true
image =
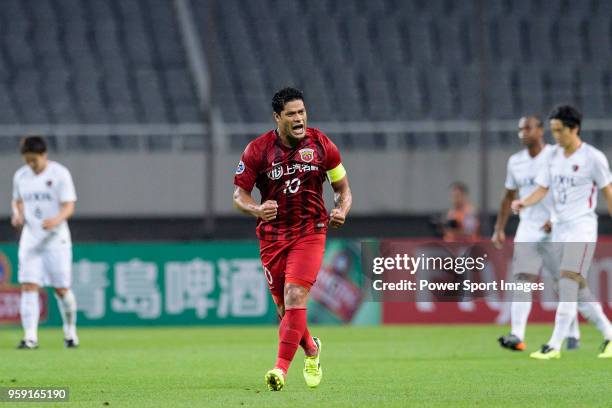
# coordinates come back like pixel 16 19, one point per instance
pixel 27 345
pixel 512 342
pixel 70 343
pixel 572 343
pixel 606 350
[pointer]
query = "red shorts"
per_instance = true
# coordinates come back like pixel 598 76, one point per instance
pixel 296 261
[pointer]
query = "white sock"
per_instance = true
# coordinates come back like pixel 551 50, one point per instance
pixel 566 311
pixel 592 310
pixel 67 308
pixel 519 313
pixel 574 329
pixel 29 310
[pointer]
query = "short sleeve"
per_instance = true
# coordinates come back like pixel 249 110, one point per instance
pixel 543 177
pixel 247 169
pixel 601 170
pixel 332 154
pixel 510 183
pixel 67 192
pixel 16 194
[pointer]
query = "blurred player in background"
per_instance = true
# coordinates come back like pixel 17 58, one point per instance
pixel 533 234
pixel 289 166
pixel 574 172
pixel 43 200
pixel 461 223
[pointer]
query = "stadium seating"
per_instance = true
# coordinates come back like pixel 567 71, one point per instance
pixel 115 61
pixel 374 53
pixel 72 61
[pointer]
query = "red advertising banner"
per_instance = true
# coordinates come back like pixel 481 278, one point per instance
pixel 338 287
pixel 10 298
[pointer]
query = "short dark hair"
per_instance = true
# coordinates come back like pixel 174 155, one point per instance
pixel 461 186
pixel 33 144
pixel 285 95
pixel 567 114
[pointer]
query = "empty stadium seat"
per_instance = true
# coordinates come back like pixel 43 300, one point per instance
pixel 69 61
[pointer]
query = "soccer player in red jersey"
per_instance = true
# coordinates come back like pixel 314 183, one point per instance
pixel 289 166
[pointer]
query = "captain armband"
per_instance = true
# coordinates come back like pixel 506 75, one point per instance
pixel 336 174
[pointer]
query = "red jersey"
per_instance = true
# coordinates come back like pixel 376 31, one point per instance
pixel 293 177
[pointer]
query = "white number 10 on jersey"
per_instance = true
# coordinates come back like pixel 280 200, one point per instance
pixel 292 185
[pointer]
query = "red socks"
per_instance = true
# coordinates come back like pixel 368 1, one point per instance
pixel 308 344
pixel 290 332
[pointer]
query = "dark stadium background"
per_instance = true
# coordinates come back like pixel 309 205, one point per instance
pixel 150 102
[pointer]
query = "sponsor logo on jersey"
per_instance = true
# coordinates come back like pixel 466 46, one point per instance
pixel 564 181
pixel 37 196
pixel 240 167
pixel 275 173
pixel 527 181
pixel 575 167
pixel 307 155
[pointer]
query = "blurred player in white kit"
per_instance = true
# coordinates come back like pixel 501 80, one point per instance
pixel 532 249
pixel 43 200
pixel 574 173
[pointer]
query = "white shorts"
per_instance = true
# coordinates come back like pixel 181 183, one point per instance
pixel 529 231
pixel 47 267
pixel 576 241
pixel 533 250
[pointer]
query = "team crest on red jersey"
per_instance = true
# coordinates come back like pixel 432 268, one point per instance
pixel 307 155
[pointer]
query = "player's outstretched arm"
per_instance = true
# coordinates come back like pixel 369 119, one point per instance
pixel 243 202
pixel 607 193
pixel 17 218
pixel 66 211
pixel 534 198
pixel 343 200
pixel 499 234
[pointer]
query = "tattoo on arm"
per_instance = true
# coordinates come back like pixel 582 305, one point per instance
pixel 338 200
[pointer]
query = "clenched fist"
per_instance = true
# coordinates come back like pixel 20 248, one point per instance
pixel 336 218
pixel 268 210
pixel 517 206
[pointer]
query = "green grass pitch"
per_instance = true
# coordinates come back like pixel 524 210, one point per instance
pixel 446 366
